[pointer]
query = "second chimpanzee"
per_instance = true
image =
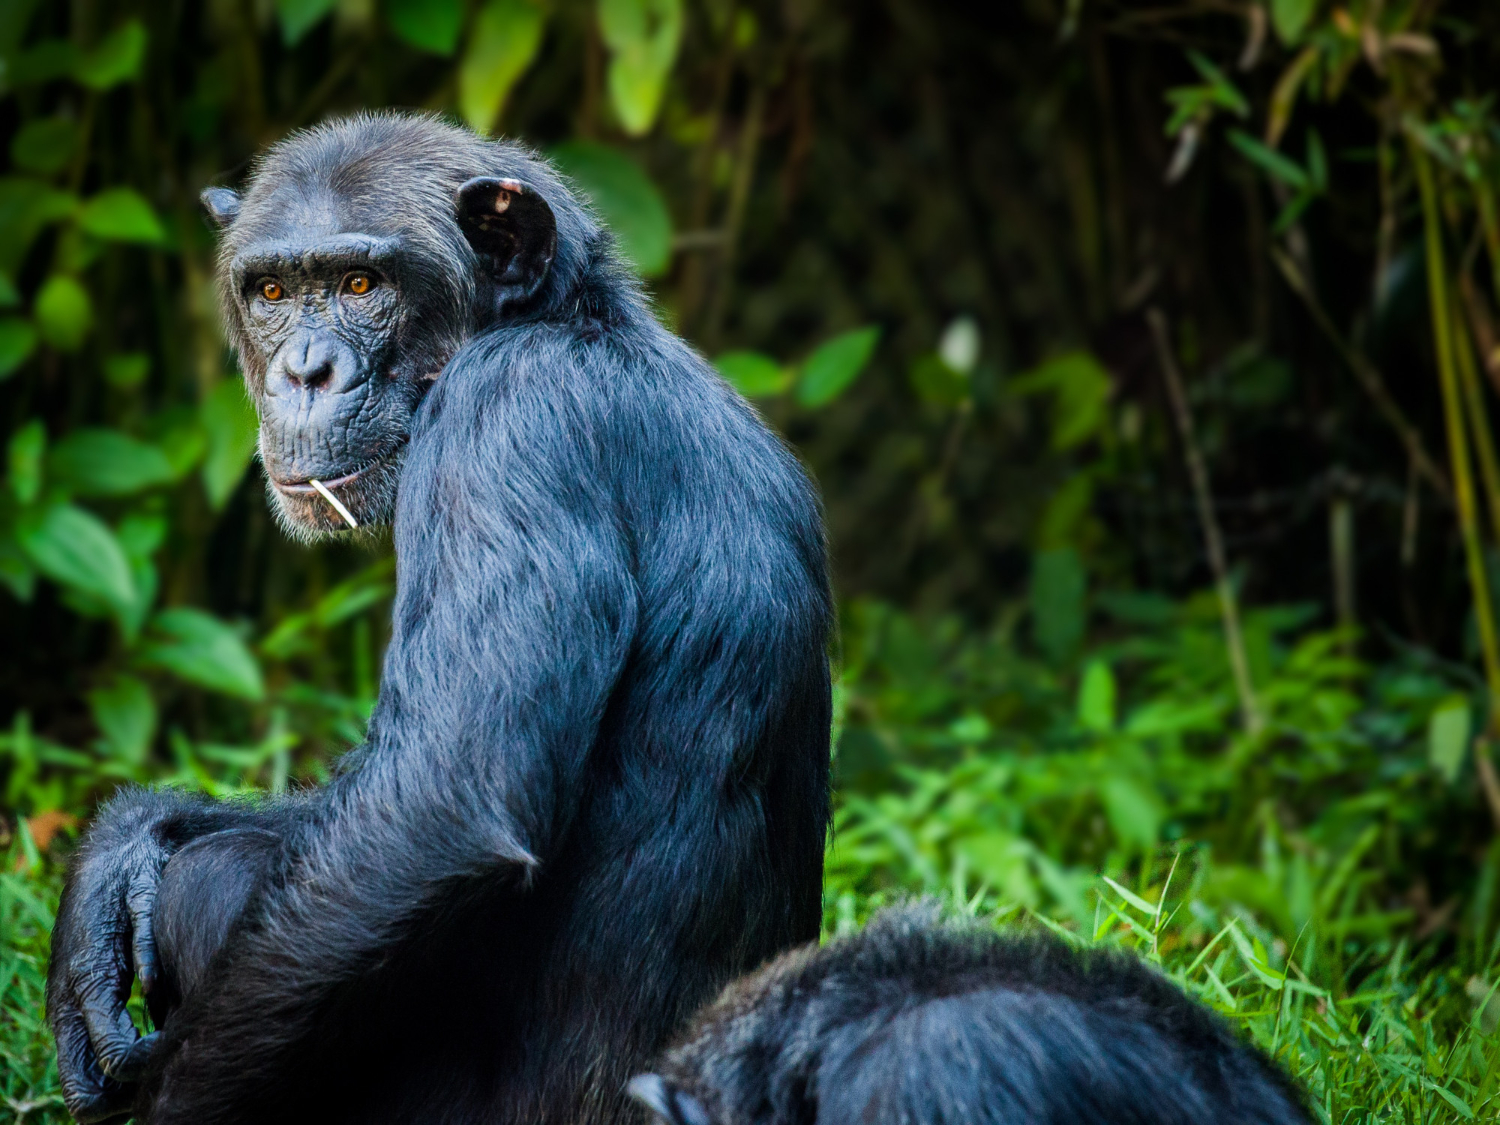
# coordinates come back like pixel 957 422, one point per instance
pixel 595 782
pixel 926 1023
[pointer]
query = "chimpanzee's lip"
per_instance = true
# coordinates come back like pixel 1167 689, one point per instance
pixel 303 487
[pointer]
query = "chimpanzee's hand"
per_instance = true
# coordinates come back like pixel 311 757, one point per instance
pixel 102 940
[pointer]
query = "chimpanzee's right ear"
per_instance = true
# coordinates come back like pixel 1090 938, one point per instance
pixel 221 205
pixel 513 233
pixel 671 1103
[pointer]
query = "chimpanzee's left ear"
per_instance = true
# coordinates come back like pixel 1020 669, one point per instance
pixel 513 232
pixel 670 1102
pixel 221 205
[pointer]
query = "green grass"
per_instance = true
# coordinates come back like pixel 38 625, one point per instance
pixel 1401 1039
pixel 1330 884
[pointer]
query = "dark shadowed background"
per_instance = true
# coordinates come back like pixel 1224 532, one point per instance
pixel 1145 353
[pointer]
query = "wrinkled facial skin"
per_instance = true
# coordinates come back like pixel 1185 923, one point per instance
pixel 350 276
pixel 339 369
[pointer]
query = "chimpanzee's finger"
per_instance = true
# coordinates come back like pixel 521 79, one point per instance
pixel 110 1029
pixel 141 901
pixel 89 1095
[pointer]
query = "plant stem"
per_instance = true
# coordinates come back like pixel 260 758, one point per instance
pixel 1234 640
pixel 1479 422
pixel 1488 781
pixel 1458 446
pixel 739 196
pixel 1488 221
pixel 1369 378
pixel 1481 328
pixel 1341 555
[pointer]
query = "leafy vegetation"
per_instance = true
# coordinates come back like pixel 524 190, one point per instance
pixel 1144 355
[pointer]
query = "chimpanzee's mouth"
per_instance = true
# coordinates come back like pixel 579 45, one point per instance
pixel 305 486
pixel 310 507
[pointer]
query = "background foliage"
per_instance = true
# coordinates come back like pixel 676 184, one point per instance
pixel 1144 353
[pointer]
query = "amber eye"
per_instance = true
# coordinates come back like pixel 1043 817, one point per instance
pixel 272 290
pixel 359 284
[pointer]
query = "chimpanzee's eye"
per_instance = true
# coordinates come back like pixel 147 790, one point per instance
pixel 358 284
pixel 272 290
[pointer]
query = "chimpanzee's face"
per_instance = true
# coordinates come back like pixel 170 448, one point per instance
pixel 344 364
pixel 346 304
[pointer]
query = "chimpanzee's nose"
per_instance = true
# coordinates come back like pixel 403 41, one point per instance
pixel 313 361
pixel 309 362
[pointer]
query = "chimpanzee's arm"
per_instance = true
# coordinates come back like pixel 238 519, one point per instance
pixel 515 611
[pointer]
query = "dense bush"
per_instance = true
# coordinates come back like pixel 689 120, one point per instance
pixel 1143 354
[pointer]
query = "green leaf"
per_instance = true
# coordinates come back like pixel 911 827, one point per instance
pixel 1096 698
pixel 1135 900
pixel 16 572
pixel 1066 511
pixel 1080 388
pixel 42 62
pixel 179 435
pixel 1058 589
pixel 502 44
pixel 17 342
pixel 1133 811
pixel 197 647
pixel 1292 212
pixel 140 536
pixel 430 25
pixel 44 145
pixel 116 59
pixel 230 428
pixel 10 296
pixel 1269 160
pixel 1317 162
pixel 120 215
pixel 836 363
pixel 100 462
pixel 937 381
pixel 753 374
pixel 971 728
pixel 1225 92
pixel 24 460
pixel 15 15
pixel 125 714
pixel 625 199
pixel 349 598
pixel 1290 18
pixel 1452 1099
pixel 27 206
pixel 1003 860
pixel 1448 736
pixel 298 17
pixel 643 37
pixel 78 551
pixel 127 370
pixel 63 312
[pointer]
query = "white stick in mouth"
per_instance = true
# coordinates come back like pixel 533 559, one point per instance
pixel 334 500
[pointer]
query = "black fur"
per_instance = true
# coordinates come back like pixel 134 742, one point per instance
pixel 595 783
pixel 923 1023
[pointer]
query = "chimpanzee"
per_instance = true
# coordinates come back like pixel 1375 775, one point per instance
pixel 595 783
pixel 924 1023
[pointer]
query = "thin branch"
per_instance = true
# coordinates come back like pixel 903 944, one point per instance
pixel 1488 781
pixel 1369 378
pixel 1234 640
pixel 1482 328
pixel 739 196
pixel 1479 423
pixel 1453 416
